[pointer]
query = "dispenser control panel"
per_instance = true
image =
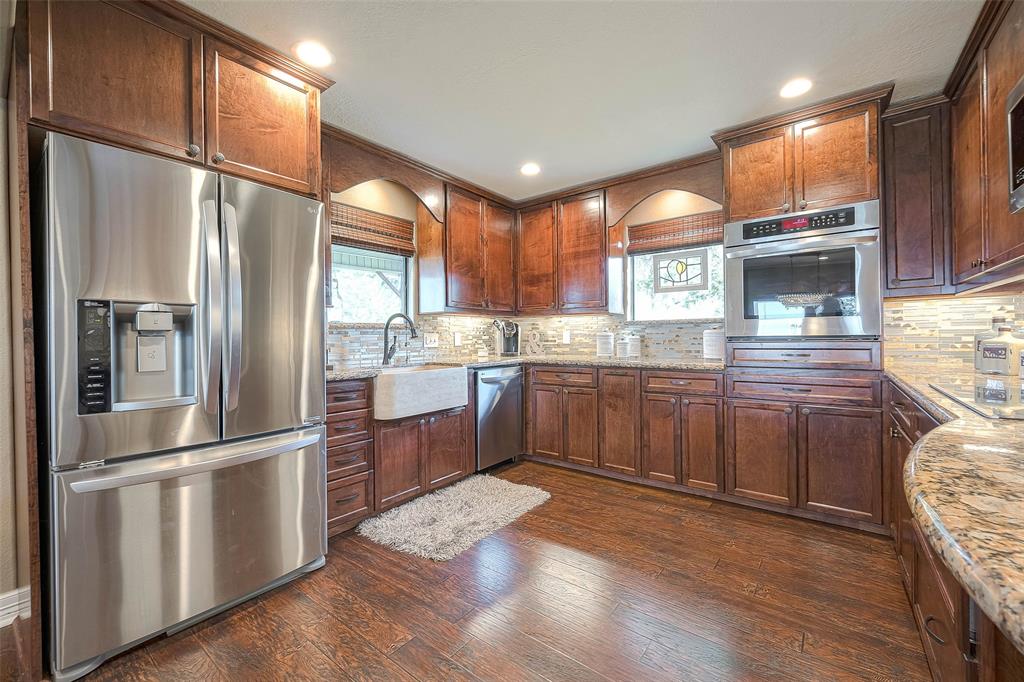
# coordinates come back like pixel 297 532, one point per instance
pixel 93 357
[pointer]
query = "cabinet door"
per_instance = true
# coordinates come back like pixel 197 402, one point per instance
pixel 840 452
pixel 916 214
pixel 582 253
pixel 968 167
pixel 546 421
pixel 620 420
pixel 836 158
pixel 446 448
pixel 941 633
pixel 761 451
pixel 659 428
pixel 579 412
pixel 122 72
pixel 702 461
pixel 398 466
pixel 464 250
pixel 758 172
pixel 261 123
pixel 1004 67
pixel 498 268
pixel 903 520
pixel 536 271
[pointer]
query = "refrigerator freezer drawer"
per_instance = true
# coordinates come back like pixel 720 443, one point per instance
pixel 142 546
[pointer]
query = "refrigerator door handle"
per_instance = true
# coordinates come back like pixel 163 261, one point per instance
pixel 140 477
pixel 211 382
pixel 233 327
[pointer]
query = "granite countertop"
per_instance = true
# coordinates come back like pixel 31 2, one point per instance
pixel 343 373
pixel 965 483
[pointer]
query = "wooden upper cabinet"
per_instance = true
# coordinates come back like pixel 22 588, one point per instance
pixel 582 253
pixel 836 158
pixel 122 72
pixel 499 270
pixel 916 194
pixel 840 451
pixel 620 420
pixel 758 172
pixel 536 262
pixel 761 459
pixel 968 167
pixel 464 250
pixel 261 123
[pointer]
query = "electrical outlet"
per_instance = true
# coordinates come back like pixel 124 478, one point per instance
pixel 457 338
pixel 430 340
pixel 566 337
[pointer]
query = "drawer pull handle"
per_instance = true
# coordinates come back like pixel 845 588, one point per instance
pixel 898 406
pixel 938 640
pixel 794 389
pixel 348 460
pixel 564 376
pixel 795 355
pixel 681 382
pixel 347 498
pixel 342 397
pixel 347 427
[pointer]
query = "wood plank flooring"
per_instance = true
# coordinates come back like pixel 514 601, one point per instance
pixel 606 581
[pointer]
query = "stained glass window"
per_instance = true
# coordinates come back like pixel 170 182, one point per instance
pixel 681 271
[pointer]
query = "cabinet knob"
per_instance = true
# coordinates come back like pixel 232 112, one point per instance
pixel 218 157
pixel 785 207
pixel 192 151
pixel 803 204
pixel 433 419
pixel 788 410
pixel 686 402
pixel 423 421
pixel 805 411
pixel 673 401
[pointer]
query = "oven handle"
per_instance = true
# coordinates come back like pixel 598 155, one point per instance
pixel 796 245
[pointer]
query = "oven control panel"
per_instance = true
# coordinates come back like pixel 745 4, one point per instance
pixel 841 217
pixel 93 357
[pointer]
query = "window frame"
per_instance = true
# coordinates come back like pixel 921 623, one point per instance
pixel 630 288
pixel 406 292
pixel 660 256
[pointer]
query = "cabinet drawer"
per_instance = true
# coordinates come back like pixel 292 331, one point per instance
pixel 657 381
pixel 349 499
pixel 806 389
pixel 349 395
pixel 836 355
pixel 347 460
pixel 936 617
pixel 348 427
pixel 565 376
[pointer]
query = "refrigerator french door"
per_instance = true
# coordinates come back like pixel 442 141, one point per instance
pixel 184 394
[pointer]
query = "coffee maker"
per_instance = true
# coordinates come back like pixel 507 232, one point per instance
pixel 506 337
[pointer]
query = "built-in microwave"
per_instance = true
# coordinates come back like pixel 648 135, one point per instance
pixel 811 274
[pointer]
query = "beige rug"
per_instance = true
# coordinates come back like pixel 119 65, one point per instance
pixel 440 525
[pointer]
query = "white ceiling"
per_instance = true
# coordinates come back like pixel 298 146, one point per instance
pixel 590 89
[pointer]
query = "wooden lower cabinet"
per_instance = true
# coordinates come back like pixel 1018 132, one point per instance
pixel 620 420
pixel 902 519
pixel 761 457
pixel 579 413
pixel 702 439
pixel 418 454
pixel 349 500
pixel 940 609
pixel 840 458
pixel 660 444
pixel 350 497
pixel 546 421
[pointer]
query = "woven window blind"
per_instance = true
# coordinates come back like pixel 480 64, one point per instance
pixel 365 229
pixel 691 230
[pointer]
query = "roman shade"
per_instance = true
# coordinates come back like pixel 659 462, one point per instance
pixel 698 229
pixel 353 226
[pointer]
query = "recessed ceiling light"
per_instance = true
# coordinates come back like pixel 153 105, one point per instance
pixel 795 87
pixel 529 168
pixel 313 53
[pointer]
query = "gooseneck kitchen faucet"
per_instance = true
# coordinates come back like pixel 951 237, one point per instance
pixel 389 351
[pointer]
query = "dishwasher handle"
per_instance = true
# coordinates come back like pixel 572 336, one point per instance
pixel 500 380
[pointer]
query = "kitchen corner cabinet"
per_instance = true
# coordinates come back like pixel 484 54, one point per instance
pixel 148 76
pixel 477 257
pixel 917 210
pixel 619 396
pixel 261 123
pixel 827 159
pixel 562 414
pixel 418 454
pixel 536 290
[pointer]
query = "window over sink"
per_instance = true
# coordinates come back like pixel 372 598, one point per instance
pixel 367 286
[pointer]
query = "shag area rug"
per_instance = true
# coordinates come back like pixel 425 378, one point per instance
pixel 440 525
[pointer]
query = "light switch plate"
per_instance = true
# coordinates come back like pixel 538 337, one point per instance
pixel 457 338
pixel 430 340
pixel 566 337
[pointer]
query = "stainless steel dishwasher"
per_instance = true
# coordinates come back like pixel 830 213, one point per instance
pixel 499 415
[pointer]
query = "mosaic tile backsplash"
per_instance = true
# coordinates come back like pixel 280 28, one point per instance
pixel 938 334
pixel 363 345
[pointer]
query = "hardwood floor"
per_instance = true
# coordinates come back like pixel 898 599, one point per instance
pixel 607 580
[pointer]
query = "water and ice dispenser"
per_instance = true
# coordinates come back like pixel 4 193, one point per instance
pixel 135 356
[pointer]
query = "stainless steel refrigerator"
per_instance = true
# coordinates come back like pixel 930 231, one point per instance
pixel 184 394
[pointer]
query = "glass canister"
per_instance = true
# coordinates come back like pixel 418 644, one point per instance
pixel 983 336
pixel 1001 355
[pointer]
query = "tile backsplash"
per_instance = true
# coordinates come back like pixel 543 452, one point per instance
pixel 938 334
pixel 363 344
